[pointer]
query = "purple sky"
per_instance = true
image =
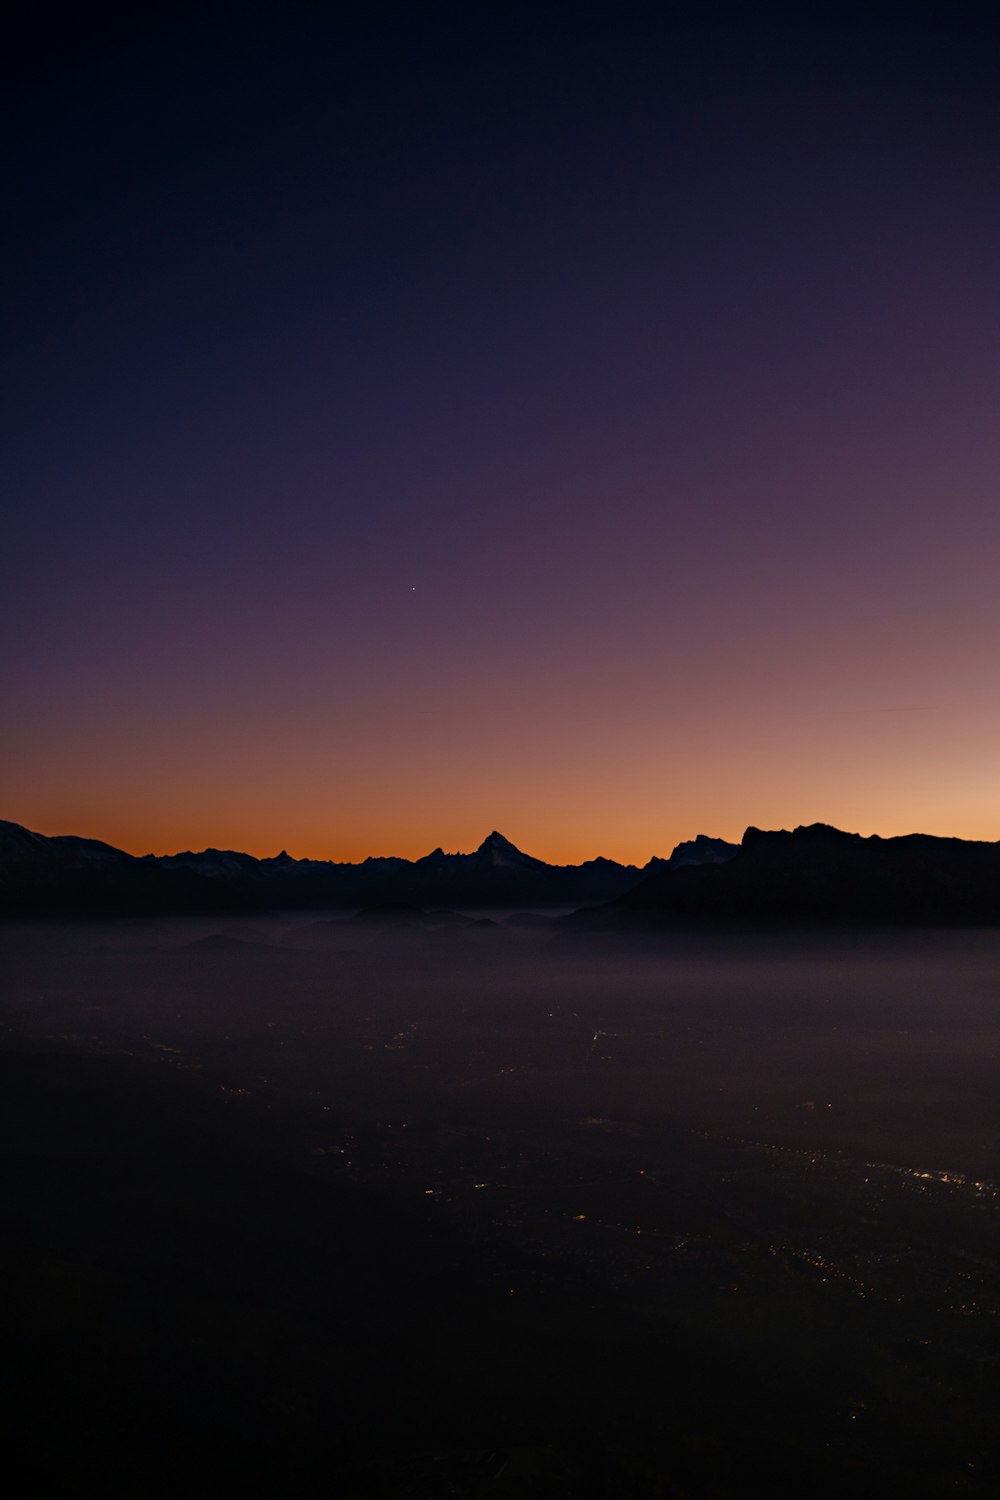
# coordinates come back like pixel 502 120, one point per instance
pixel 430 423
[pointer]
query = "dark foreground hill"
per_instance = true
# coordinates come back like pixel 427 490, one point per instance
pixel 67 876
pixel 819 875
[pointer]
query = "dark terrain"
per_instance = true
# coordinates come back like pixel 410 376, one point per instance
pixel 313 1206
pixel 811 876
pixel 69 876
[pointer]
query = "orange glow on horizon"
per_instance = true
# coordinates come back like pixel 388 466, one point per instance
pixel 634 478
pixel 574 749
pixel 563 847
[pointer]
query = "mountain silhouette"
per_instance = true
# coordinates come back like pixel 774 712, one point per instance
pixel 702 851
pixel 69 876
pixel 811 875
pixel 818 875
pixel 64 875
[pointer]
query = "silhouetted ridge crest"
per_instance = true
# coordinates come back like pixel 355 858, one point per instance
pixel 811 874
pixel 818 874
pixel 701 851
pixel 42 876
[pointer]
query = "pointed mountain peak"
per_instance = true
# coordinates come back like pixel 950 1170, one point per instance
pixel 496 841
pixel 500 852
pixel 436 857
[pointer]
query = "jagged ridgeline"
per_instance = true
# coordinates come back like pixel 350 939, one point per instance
pixel 77 876
pixel 811 875
pixel 817 876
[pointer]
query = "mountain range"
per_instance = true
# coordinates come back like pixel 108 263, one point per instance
pixel 811 875
pixel 818 875
pixel 66 875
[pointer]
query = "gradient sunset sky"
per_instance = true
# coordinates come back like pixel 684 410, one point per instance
pixel 449 419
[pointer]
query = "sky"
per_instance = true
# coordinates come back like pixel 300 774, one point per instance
pixel 425 420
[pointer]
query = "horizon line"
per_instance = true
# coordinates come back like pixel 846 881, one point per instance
pixel 174 852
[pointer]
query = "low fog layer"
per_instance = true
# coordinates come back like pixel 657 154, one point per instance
pixel 363 1196
pixel 871 1043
